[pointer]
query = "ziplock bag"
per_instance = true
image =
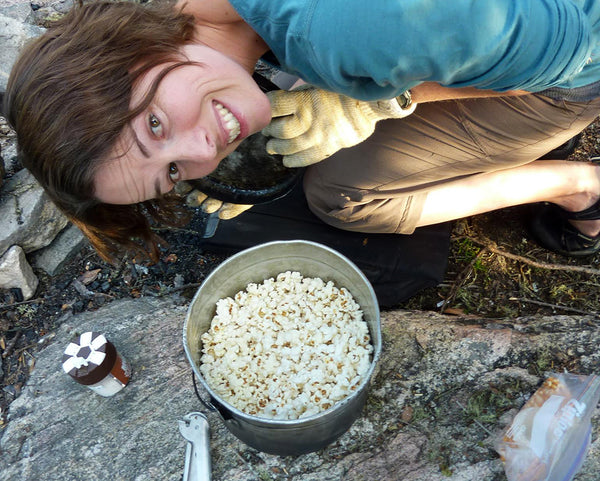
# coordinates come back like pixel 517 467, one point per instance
pixel 549 437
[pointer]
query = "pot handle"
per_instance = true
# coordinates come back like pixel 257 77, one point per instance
pixel 211 406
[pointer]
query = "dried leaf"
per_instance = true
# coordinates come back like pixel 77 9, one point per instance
pixel 2 343
pixel 88 276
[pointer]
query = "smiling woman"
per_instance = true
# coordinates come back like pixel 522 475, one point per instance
pixel 140 105
pixel 65 133
pixel 199 113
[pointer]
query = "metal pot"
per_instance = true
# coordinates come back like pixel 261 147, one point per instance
pixel 282 437
pixel 249 175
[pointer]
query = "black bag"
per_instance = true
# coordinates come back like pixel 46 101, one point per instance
pixel 398 266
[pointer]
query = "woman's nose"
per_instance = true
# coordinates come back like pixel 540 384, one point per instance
pixel 197 145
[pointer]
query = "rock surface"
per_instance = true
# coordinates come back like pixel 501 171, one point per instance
pixel 52 259
pixel 13 35
pixel 423 421
pixel 27 217
pixel 15 271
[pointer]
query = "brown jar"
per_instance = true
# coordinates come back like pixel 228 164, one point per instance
pixel 92 360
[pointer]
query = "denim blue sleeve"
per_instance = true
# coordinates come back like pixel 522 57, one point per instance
pixel 366 48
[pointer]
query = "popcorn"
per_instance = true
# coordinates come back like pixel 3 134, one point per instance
pixel 288 348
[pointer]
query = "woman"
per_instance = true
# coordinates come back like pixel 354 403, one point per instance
pixel 149 97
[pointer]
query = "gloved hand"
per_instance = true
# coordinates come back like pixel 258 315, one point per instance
pixel 209 205
pixel 310 124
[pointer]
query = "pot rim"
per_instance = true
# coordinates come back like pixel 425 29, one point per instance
pixel 217 189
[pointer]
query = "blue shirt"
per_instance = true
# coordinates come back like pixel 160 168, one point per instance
pixel 379 48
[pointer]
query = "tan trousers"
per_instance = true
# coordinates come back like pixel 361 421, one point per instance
pixel 380 185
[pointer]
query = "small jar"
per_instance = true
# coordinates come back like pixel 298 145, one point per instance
pixel 90 359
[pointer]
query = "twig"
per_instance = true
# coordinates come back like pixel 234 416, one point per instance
pixel 542 265
pixel 552 306
pixel 100 294
pixel 30 301
pixel 8 351
pixel 24 349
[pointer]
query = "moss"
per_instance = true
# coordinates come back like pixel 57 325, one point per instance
pixel 439 454
pixel 486 406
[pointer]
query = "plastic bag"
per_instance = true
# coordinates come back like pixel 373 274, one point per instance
pixel 549 437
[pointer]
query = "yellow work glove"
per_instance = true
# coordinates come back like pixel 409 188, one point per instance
pixel 209 205
pixel 310 124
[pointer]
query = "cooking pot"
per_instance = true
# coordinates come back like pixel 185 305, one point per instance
pixel 282 437
pixel 249 175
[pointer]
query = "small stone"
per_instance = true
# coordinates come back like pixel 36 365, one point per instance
pixel 17 294
pixel 407 414
pixel 15 272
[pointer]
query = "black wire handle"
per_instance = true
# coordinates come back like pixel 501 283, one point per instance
pixel 216 407
pixel 264 83
pixel 207 404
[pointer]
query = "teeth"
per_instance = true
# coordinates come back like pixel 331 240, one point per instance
pixel 231 123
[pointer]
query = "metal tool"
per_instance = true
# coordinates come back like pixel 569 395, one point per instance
pixel 212 221
pixel 194 427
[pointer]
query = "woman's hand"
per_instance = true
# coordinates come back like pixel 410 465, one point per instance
pixel 310 124
pixel 209 205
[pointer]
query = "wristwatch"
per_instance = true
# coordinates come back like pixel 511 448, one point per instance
pixel 404 100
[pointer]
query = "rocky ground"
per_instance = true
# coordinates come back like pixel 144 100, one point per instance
pixel 495 271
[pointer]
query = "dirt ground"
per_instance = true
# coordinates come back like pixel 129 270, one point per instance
pixel 495 270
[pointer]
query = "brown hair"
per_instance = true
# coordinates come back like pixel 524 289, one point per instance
pixel 68 100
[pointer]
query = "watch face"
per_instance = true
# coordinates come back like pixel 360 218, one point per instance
pixel 404 100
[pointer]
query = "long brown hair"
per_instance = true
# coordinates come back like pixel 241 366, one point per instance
pixel 68 99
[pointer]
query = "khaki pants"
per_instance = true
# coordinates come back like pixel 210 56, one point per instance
pixel 380 185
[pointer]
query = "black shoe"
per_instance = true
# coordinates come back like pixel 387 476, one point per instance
pixel 551 228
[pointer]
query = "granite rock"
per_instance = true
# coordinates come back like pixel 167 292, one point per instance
pixel 14 34
pixel 52 258
pixel 419 422
pixel 27 216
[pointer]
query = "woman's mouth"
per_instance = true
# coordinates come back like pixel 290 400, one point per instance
pixel 230 123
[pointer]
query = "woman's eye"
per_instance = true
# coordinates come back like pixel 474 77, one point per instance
pixel 155 125
pixel 173 172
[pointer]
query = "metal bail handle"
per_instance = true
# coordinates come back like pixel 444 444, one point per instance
pixel 222 412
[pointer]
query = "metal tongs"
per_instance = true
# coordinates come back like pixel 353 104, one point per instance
pixel 194 427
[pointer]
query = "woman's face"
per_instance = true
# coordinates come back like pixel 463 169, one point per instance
pixel 199 115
